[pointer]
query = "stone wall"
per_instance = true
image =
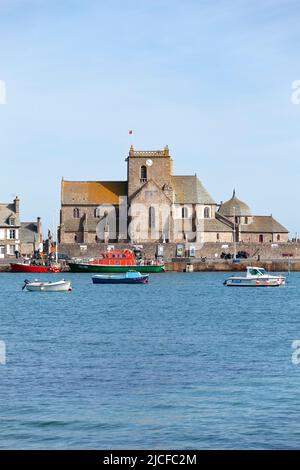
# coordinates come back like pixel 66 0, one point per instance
pixel 263 250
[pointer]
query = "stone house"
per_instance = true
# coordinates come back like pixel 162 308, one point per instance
pixel 154 205
pixel 31 237
pixel 9 228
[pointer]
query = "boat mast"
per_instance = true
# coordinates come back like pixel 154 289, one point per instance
pixel 234 231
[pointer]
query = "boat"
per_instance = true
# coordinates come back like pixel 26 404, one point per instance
pixel 115 262
pixel 131 277
pixel 29 267
pixel 256 277
pixel 50 286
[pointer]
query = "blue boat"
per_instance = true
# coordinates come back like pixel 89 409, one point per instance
pixel 131 277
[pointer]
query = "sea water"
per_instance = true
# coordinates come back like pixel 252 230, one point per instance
pixel 182 362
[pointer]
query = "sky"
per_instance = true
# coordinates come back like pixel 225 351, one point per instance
pixel 212 79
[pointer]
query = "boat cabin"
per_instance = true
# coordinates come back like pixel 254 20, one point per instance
pixel 253 272
pixel 117 258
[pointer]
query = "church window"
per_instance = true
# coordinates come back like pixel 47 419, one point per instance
pixel 184 213
pixel 143 173
pixel 76 213
pixel 278 237
pixel 96 213
pixel 261 238
pixel 151 217
pixel 246 220
pixel 218 236
pixel 75 238
pixel 206 212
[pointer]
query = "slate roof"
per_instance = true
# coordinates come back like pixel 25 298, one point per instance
pixel 7 211
pixel 28 232
pixel 264 224
pixel 92 192
pixel 235 207
pixel 214 225
pixel 189 190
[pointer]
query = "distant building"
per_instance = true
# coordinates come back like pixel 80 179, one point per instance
pixel 31 237
pixel 9 228
pixel 152 185
pixel 16 236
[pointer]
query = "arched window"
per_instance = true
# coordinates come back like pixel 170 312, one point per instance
pixel 184 213
pixel 96 213
pixel 278 237
pixel 143 173
pixel 206 212
pixel 75 238
pixel 261 238
pixel 151 217
pixel 246 220
pixel 76 214
pixel 218 236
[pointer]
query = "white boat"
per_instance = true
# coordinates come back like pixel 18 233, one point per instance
pixel 51 286
pixel 256 277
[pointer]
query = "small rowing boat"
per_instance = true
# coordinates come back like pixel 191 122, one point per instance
pixel 255 277
pixel 55 286
pixel 131 277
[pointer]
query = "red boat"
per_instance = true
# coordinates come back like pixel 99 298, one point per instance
pixel 23 267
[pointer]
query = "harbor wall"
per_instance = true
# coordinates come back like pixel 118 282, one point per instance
pixel 263 251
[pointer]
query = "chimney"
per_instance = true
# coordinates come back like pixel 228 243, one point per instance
pixel 17 205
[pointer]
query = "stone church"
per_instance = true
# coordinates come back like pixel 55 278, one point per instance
pixel 154 205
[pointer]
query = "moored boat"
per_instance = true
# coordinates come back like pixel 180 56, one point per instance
pixel 131 277
pixel 24 267
pixel 115 262
pixel 256 277
pixel 50 286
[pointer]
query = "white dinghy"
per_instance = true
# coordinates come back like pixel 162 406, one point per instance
pixel 256 277
pixel 51 286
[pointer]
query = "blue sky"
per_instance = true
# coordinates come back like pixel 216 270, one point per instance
pixel 212 79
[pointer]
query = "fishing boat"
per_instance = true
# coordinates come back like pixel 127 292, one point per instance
pixel 256 277
pixel 115 262
pixel 55 286
pixel 131 277
pixel 29 267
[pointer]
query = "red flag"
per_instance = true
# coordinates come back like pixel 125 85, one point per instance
pixel 130 132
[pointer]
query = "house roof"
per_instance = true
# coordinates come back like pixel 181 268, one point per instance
pixel 28 232
pixel 189 190
pixel 92 192
pixel 7 211
pixel 235 207
pixel 264 224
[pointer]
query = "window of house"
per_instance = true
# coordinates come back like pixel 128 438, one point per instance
pixel 218 236
pixel 261 238
pixel 12 221
pixel 75 238
pixel 151 217
pixel 143 173
pixel 184 213
pixel 246 220
pixel 96 213
pixel 278 237
pixel 76 213
pixel 206 212
pixel 12 234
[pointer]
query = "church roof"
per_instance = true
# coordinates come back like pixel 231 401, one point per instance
pixel 92 192
pixel 235 207
pixel 215 225
pixel 264 224
pixel 189 190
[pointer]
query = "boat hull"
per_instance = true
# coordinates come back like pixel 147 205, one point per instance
pixel 60 286
pixel 265 282
pixel 121 280
pixel 27 268
pixel 102 268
